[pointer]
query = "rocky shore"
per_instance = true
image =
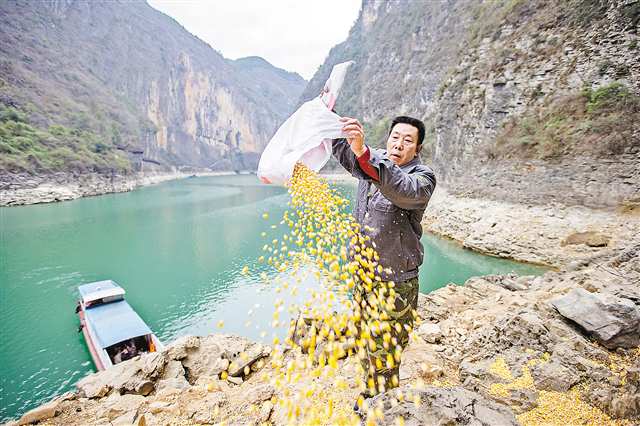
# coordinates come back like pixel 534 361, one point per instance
pixel 562 348
pixel 22 189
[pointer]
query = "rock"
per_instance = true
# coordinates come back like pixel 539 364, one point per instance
pixel 590 238
pixel 159 406
pixel 260 393
pixel 619 402
pixel 43 412
pixel 144 387
pixel 553 376
pixel 524 329
pixel 265 411
pixel 235 380
pixel 137 375
pixel 246 358
pixel 613 321
pixel 123 407
pixel 419 361
pixel 180 348
pixel 216 353
pixel 203 410
pixel 173 369
pixel 440 406
pixel 126 419
pixel 173 383
pixel 430 332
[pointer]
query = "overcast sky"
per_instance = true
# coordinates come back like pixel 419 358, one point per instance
pixel 292 34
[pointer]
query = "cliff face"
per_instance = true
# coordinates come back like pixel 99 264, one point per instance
pixel 538 98
pixel 138 81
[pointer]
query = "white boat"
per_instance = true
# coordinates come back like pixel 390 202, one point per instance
pixel 114 332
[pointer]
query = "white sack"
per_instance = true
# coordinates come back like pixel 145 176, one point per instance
pixel 306 135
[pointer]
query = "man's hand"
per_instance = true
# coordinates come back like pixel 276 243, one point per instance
pixel 355 135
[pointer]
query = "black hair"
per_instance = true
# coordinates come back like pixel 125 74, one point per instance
pixel 412 122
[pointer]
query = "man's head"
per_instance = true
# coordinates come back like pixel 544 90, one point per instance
pixel 405 139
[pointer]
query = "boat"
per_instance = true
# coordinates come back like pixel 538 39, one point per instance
pixel 113 331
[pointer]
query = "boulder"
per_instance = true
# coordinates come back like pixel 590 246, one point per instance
pixel 523 329
pixel 137 375
pixel 590 238
pixel 219 352
pixel 612 320
pixel 442 406
pixel 553 376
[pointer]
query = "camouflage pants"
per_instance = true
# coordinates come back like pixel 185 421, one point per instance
pixel 376 364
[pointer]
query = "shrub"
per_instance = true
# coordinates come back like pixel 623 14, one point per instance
pixel 595 122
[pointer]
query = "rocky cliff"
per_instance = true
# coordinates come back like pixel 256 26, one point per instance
pixel 539 98
pixel 131 86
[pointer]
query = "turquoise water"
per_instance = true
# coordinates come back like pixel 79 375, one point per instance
pixel 177 248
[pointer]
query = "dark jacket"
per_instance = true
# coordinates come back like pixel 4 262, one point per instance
pixel 390 211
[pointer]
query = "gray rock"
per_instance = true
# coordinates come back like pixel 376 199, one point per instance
pixel 440 406
pixel 524 329
pixel 554 376
pixel 613 321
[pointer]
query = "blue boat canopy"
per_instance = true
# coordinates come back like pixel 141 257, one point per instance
pixel 115 322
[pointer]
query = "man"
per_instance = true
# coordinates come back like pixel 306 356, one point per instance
pixel 393 192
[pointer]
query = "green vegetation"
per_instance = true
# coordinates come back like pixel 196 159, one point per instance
pixel 377 133
pixel 596 122
pixel 25 148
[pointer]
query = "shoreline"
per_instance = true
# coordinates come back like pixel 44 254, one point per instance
pixel 37 190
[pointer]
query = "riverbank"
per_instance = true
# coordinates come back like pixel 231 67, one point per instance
pixel 556 349
pixel 17 190
pixel 552 234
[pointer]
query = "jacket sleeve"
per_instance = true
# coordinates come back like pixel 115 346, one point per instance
pixel 409 191
pixel 342 152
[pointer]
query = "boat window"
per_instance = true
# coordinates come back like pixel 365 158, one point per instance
pixel 127 349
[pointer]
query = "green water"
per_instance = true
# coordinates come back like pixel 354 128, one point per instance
pixel 177 248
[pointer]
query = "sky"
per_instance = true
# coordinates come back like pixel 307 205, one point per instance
pixel 295 35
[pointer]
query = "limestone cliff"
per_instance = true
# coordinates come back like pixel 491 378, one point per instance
pixel 137 83
pixel 539 98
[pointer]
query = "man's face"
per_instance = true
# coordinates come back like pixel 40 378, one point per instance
pixel 402 145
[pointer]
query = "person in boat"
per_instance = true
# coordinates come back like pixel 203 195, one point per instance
pixel 393 192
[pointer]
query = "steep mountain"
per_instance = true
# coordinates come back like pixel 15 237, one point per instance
pixel 101 86
pixel 526 101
